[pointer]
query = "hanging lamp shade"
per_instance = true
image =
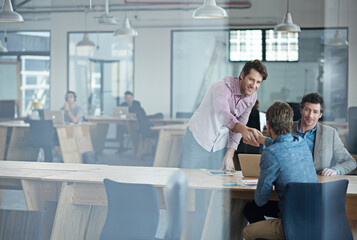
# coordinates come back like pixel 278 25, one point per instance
pixel 209 10
pixel 85 42
pixel 7 14
pixel 287 25
pixel 337 40
pixel 126 30
pixel 2 47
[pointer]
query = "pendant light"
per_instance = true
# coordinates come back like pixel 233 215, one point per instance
pixel 8 14
pixel 126 30
pixel 85 42
pixel 337 39
pixel 287 24
pixel 209 10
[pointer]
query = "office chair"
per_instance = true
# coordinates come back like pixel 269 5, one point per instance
pixel 352 130
pixel 42 135
pixel 176 198
pixel 316 211
pixel 133 211
pixel 148 137
pixel 21 224
pixel 184 114
pixel 296 108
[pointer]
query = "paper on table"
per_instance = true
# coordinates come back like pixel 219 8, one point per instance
pixel 252 182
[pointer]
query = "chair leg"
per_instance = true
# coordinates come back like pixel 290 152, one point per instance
pixel 48 154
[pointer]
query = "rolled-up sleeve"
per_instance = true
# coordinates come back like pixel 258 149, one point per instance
pixel 269 169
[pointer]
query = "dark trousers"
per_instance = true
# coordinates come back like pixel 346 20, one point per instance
pixel 254 213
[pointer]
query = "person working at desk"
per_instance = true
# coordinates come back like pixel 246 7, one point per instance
pixel 287 159
pixel 72 112
pixel 134 106
pixel 221 118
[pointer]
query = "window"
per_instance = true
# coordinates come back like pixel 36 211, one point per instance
pixel 100 75
pixel 250 44
pixel 32 50
pixel 245 45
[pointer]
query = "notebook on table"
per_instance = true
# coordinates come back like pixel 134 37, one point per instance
pixel 56 116
pixel 250 164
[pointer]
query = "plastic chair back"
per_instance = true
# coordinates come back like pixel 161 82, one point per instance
pixel 176 197
pixel 21 224
pixel 133 211
pixel 316 211
pixel 352 130
pixel 184 114
pixel 41 133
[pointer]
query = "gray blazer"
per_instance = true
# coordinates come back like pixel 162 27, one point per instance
pixel 329 151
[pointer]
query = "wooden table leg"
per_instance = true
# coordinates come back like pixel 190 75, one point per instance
pixel 71 220
pixel 33 195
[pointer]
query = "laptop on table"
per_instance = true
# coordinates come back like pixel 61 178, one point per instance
pixel 250 164
pixel 121 111
pixel 56 116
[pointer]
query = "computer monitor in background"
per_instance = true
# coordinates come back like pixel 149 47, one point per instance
pixel 7 109
pixel 296 108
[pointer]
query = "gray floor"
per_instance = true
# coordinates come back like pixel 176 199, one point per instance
pixel 14 199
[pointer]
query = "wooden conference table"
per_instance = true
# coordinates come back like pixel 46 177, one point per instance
pixel 100 134
pixel 73 140
pixel 81 195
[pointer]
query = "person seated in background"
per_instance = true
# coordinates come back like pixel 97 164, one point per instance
pixel 72 112
pixel 287 159
pixel 329 154
pixel 134 106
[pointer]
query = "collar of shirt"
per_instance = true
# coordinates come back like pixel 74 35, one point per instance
pixel 309 136
pixel 236 90
pixel 282 138
pixel 308 133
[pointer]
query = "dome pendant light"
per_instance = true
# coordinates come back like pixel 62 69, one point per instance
pixel 85 42
pixel 126 30
pixel 7 14
pixel 337 39
pixel 287 24
pixel 209 10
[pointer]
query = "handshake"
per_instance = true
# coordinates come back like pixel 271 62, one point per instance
pixel 252 136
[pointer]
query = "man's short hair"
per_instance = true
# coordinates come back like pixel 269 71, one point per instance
pixel 258 66
pixel 128 93
pixel 314 98
pixel 280 117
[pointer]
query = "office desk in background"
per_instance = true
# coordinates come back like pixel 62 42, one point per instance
pixel 100 133
pixel 73 140
pixel 79 189
pixel 169 145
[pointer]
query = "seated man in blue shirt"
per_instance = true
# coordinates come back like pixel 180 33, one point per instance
pixel 330 157
pixel 287 159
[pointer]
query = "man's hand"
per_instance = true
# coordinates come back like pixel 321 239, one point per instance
pixel 227 163
pixel 328 172
pixel 251 136
pixel 66 106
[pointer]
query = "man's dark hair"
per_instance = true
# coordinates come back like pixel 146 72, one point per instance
pixel 258 66
pixel 128 93
pixel 280 117
pixel 314 98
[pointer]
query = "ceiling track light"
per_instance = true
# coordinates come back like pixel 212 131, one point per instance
pixel 287 25
pixel 209 10
pixel 8 14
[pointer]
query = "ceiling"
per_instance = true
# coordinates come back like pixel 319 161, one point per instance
pixel 51 6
